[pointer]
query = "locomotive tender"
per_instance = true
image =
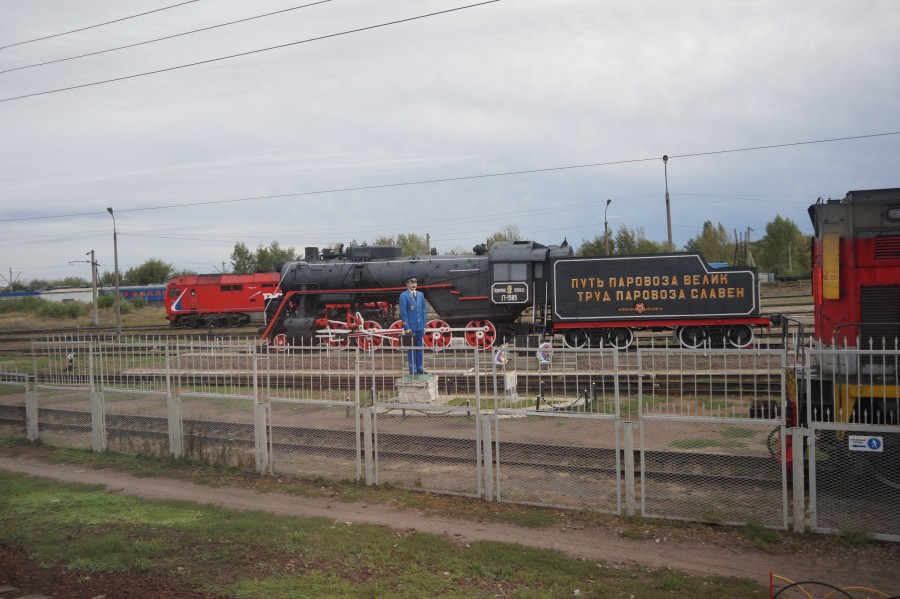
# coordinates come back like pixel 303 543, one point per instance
pixel 335 296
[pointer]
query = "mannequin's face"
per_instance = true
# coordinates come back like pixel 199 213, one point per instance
pixel 411 284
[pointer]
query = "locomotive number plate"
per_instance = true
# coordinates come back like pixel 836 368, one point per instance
pixel 509 293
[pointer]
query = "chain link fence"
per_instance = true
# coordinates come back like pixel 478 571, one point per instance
pixel 678 434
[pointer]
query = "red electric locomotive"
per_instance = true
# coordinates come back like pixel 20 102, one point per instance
pixel 220 299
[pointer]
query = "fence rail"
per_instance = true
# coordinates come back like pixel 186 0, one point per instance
pixel 695 435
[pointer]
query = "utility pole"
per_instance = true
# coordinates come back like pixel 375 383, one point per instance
pixel 116 259
pixel 95 317
pixel 606 225
pixel 668 209
pixel 750 261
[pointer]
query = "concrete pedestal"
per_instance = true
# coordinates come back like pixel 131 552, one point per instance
pixel 419 388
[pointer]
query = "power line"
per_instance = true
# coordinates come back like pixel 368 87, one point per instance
pixel 278 47
pixel 46 37
pixel 461 178
pixel 799 143
pixel 159 39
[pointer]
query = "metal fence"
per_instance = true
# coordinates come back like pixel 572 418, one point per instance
pixel 854 440
pixel 669 433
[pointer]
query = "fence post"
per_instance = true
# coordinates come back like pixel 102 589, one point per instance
pixel 628 449
pixel 798 501
pixel 31 417
pixel 173 407
pixel 98 420
pixel 487 455
pixel 367 415
pixel 479 446
pixel 262 413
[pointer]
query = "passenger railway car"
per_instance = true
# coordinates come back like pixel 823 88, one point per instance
pixel 152 294
pixel 219 299
pixel 588 301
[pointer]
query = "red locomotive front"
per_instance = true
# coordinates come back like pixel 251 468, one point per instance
pixel 220 299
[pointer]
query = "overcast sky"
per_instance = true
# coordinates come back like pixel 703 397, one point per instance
pixel 516 112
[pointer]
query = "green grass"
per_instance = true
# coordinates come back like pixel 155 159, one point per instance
pixel 254 554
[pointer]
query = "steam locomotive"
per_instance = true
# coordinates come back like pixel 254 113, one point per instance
pixel 336 296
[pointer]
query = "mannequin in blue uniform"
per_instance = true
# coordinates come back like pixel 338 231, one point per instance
pixel 413 313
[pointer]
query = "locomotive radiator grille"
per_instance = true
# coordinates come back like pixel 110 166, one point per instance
pixel 879 316
pixel 887 247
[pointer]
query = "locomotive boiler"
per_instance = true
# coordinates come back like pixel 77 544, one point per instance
pixel 333 297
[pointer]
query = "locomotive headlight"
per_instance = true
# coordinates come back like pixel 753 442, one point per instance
pixel 892 214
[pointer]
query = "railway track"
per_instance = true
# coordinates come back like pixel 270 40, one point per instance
pixel 341 444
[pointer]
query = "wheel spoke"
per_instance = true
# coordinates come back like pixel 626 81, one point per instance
pixel 481 334
pixel 739 336
pixel 621 338
pixel 437 334
pixel 365 339
pixel 575 339
pixel 394 332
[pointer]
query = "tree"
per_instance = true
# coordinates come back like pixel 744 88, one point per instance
pixel 413 244
pixel 628 242
pixel 712 243
pixel 594 247
pixel 267 258
pixel 784 249
pixel 264 259
pixel 153 271
pixel 72 282
pixel 507 233
pixel 384 240
pixel 242 259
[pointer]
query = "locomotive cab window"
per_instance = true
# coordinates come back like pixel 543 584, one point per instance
pixel 510 271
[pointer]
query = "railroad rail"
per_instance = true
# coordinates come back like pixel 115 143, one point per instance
pixel 699 468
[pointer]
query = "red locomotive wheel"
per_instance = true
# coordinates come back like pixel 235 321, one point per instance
pixel 481 334
pixel 334 337
pixel 279 342
pixel 437 334
pixel 394 332
pixel 369 340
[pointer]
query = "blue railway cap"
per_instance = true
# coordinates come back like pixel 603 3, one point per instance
pixel 410 277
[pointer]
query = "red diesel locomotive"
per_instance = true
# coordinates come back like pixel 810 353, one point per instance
pixel 220 299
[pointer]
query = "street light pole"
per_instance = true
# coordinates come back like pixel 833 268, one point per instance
pixel 606 225
pixel 668 209
pixel 116 260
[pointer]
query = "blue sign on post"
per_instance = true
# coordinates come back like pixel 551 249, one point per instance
pixel 866 443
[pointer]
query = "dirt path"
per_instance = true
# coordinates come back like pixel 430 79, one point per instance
pixel 873 567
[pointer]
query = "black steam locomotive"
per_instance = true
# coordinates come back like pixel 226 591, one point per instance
pixel 336 296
